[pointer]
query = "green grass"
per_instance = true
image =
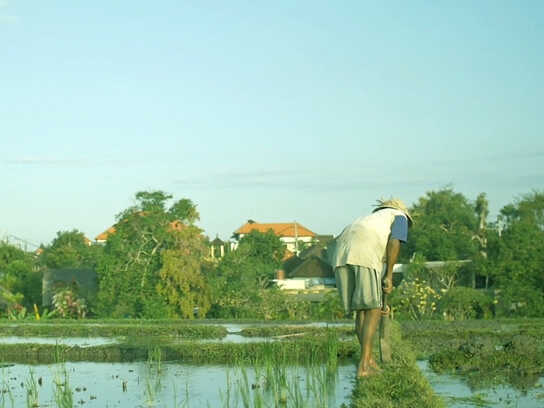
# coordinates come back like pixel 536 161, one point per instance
pixel 287 330
pixel 433 336
pixel 187 351
pixel 485 353
pixel 89 328
pixel 400 385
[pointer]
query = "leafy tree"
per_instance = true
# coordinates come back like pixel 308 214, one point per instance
pixel 240 276
pixel 529 208
pixel 460 303
pixel 20 279
pixel 70 249
pixel 149 243
pixel 517 264
pixel 444 225
pixel 182 282
pixel 265 249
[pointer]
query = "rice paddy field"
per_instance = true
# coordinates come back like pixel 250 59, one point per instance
pixel 55 363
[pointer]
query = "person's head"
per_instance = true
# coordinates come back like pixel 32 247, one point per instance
pixel 396 204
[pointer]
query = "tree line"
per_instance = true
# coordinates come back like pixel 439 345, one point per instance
pixel 156 264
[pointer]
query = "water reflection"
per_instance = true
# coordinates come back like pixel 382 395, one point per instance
pixel 171 384
pixel 460 395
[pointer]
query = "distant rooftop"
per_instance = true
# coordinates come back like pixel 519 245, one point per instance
pixel 282 229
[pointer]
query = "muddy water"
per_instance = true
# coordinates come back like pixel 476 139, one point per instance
pixel 459 395
pixel 171 384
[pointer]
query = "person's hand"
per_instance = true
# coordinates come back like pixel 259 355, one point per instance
pixel 388 285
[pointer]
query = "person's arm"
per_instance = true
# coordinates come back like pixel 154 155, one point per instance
pixel 399 233
pixel 392 253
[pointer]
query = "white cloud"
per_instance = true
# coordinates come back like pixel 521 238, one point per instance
pixel 74 162
pixel 311 179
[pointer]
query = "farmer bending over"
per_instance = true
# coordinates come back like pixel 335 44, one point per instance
pixel 358 257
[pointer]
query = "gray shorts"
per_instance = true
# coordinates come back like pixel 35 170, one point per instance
pixel 360 288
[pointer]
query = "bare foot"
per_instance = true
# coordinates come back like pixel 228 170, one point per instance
pixel 363 371
pixel 374 366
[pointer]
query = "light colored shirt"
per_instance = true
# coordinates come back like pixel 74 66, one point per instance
pixel 364 241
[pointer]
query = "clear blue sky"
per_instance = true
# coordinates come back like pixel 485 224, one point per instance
pixel 275 111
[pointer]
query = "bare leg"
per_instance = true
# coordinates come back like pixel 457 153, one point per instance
pixel 359 320
pixel 370 323
pixel 359 323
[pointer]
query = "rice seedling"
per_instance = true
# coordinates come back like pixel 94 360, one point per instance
pixel 154 359
pixel 154 372
pixel 185 402
pixel 226 395
pixel 149 392
pixel 332 348
pixel 6 394
pixel 63 394
pixel 32 400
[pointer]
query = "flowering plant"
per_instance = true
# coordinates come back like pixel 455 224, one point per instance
pixel 68 305
pixel 416 299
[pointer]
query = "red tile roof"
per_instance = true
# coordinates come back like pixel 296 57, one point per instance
pixel 282 229
pixel 104 235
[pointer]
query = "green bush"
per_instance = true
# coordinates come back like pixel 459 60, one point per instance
pixel 520 301
pixel 330 308
pixel 461 303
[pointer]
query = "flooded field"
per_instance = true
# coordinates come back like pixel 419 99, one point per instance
pixel 267 364
pixel 458 394
pixel 222 365
pixel 172 384
pixel 66 341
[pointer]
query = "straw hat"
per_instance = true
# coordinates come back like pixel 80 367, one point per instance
pixel 396 204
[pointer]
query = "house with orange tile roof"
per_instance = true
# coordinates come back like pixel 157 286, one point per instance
pixel 290 233
pixel 103 236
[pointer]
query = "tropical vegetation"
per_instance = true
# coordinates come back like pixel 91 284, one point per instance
pixel 156 264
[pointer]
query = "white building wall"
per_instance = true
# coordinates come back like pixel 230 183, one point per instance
pixel 290 242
